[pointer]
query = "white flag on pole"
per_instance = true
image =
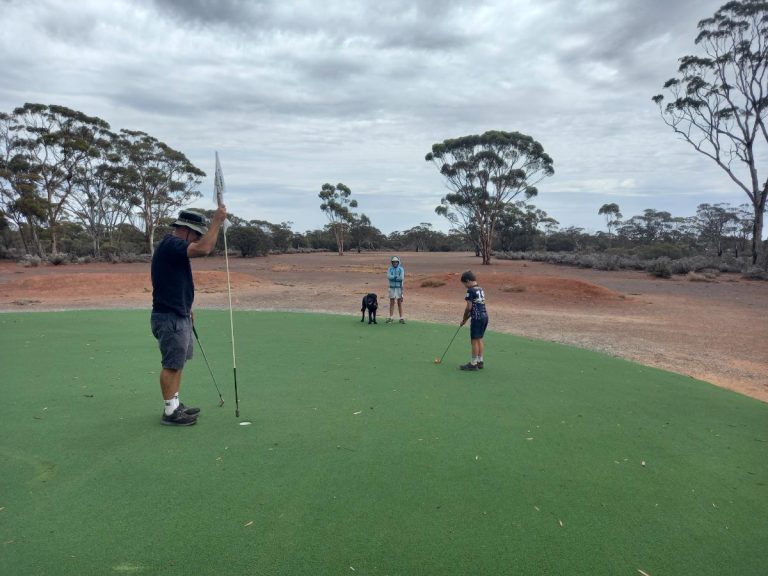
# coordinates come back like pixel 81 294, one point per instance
pixel 218 190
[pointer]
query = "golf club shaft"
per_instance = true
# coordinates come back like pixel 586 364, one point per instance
pixel 200 344
pixel 451 342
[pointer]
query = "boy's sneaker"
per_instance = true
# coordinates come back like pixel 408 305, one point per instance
pixel 480 364
pixel 389 320
pixel 402 320
pixel 469 367
pixel 178 418
pixel 190 410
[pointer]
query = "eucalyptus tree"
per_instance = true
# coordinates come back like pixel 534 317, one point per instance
pixel 158 179
pixel 55 140
pixel 483 174
pixel 612 214
pixel 649 227
pixel 19 201
pixel 361 232
pixel 719 103
pixel 715 222
pixel 336 204
pixel 99 201
pixel 420 238
pixel 520 224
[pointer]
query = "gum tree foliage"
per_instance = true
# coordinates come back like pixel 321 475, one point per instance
pixel 363 234
pixel 99 201
pixel 420 238
pixel 19 201
pixel 521 225
pixel 250 240
pixel 719 102
pixel 484 174
pixel 714 223
pixel 53 142
pixel 652 226
pixel 336 206
pixel 158 179
pixel 59 165
pixel 612 214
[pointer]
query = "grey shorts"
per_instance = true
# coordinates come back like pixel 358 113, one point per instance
pixel 396 293
pixel 174 336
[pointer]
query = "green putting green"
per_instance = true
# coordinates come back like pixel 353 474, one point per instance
pixel 365 457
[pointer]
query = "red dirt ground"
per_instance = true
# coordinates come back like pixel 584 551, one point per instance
pixel 715 330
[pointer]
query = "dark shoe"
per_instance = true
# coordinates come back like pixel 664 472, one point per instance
pixel 178 418
pixel 402 320
pixel 190 410
pixel 469 367
pixel 480 365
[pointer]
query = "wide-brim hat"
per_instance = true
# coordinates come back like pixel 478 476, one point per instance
pixel 192 220
pixel 395 259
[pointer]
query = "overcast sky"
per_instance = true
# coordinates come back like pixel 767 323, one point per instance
pixel 294 94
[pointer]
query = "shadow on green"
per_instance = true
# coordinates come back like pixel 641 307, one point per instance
pixel 364 457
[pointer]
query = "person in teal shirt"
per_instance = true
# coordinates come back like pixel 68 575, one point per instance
pixel 396 276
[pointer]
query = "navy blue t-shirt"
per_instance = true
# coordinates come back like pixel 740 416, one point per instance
pixel 172 287
pixel 476 295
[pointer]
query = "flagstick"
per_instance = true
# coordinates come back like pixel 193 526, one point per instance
pixel 231 326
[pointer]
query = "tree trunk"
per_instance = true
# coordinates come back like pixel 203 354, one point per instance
pixel 35 238
pixel 340 241
pixel 54 238
pixel 757 237
pixel 151 237
pixel 486 240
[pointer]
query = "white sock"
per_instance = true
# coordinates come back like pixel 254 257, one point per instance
pixel 474 359
pixel 171 405
pixel 479 358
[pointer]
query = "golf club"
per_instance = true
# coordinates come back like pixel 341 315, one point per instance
pixel 221 400
pixel 439 360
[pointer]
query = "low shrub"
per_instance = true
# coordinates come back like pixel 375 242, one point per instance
pixel 430 283
pixel 657 251
pixel 660 268
pixel 29 261
pixel 607 262
pixel 58 259
pixel 756 273
pixel 586 261
pixel 701 276
pixel 131 257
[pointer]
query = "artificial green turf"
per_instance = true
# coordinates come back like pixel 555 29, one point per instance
pixel 364 457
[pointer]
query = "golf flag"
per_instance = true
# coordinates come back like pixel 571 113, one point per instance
pixel 218 197
pixel 218 190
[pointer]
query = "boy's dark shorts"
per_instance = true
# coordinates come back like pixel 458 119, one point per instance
pixel 174 336
pixel 477 327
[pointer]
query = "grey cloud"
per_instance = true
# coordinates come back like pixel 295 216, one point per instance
pixel 619 37
pixel 230 12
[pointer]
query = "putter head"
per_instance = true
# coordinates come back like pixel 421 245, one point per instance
pixel 221 402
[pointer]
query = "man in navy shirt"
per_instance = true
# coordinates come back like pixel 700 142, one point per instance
pixel 173 292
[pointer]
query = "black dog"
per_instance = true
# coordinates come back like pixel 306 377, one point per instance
pixel 371 304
